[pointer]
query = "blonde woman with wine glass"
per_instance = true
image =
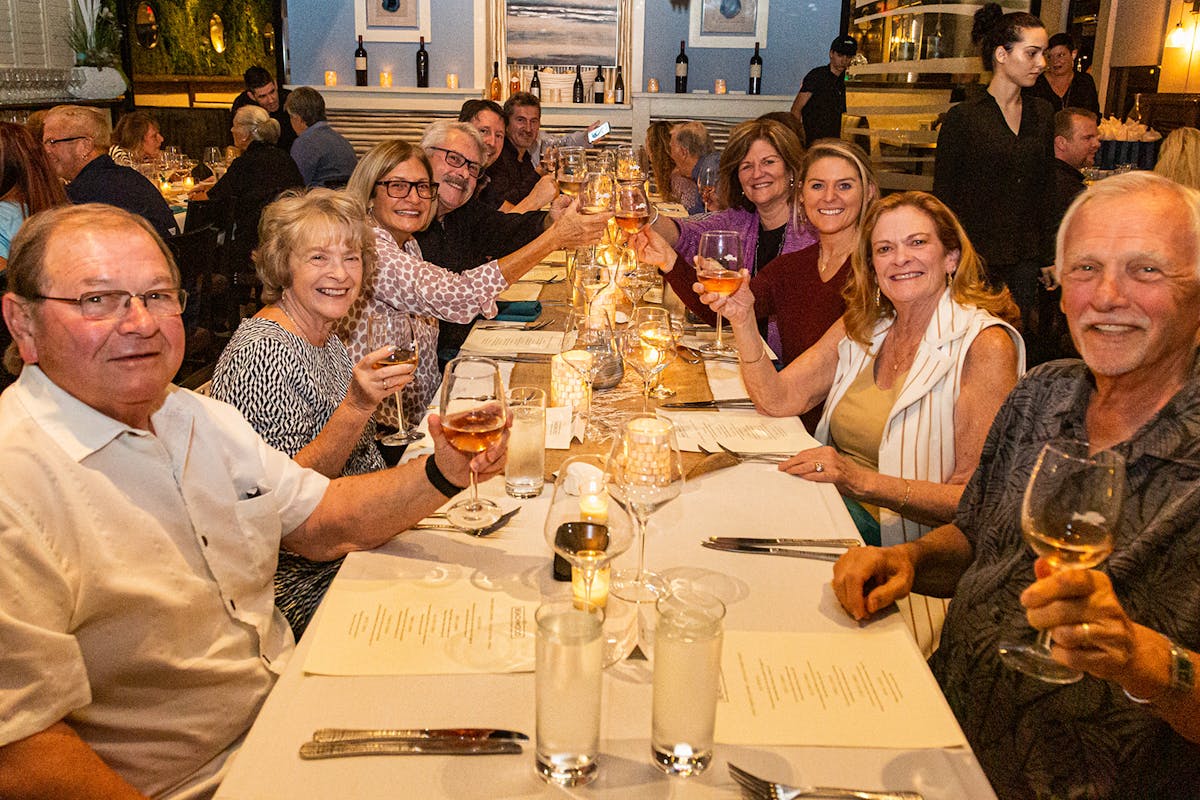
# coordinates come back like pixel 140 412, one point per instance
pixel 911 377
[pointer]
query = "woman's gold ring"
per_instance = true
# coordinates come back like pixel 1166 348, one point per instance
pixel 1086 629
pixel 820 467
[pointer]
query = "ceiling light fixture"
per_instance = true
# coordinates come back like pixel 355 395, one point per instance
pixel 1178 37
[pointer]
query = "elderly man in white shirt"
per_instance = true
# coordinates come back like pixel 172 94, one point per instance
pixel 139 526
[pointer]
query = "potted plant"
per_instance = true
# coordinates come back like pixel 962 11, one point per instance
pixel 93 34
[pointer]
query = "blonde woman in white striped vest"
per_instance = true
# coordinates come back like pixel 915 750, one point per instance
pixel 911 376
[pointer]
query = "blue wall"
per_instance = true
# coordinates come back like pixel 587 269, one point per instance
pixel 321 37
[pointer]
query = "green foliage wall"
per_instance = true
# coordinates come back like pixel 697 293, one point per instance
pixel 184 47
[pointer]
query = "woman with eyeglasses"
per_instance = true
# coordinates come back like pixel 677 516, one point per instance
pixel 394 181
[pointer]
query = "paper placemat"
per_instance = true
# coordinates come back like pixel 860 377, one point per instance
pixel 507 342
pixel 862 689
pixel 421 627
pixel 747 431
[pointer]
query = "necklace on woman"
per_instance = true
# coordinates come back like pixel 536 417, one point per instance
pixel 832 259
pixel 897 360
pixel 295 325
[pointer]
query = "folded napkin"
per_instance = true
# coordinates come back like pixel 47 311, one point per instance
pixel 518 310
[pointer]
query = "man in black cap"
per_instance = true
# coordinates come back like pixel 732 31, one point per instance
pixel 821 100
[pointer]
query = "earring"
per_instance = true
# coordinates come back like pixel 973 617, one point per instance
pixel 877 296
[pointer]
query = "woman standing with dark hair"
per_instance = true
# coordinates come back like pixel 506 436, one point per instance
pixel 1060 85
pixel 994 154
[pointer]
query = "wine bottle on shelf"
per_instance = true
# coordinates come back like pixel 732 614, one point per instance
pixel 681 67
pixel 619 87
pixel 755 72
pixel 598 85
pixel 514 81
pixel 360 64
pixel 422 66
pixel 535 83
pixel 494 89
pixel 577 89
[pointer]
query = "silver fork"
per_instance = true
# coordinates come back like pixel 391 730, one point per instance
pixel 449 526
pixel 757 458
pixel 756 788
pixel 499 326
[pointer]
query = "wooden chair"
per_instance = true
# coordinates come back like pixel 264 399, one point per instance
pixel 196 256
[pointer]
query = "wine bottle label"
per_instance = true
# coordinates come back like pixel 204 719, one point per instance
pixel 756 70
pixel 619 95
pixel 360 62
pixel 680 70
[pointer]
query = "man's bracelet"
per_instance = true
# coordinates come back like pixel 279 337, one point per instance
pixel 1183 677
pixel 440 481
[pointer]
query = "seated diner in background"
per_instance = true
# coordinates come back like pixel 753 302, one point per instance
pixel 801 290
pixel 691 151
pixel 1179 157
pixel 911 377
pixel 323 156
pixel 139 524
pixel 670 185
pixel 395 183
pixel 27 183
pixel 136 139
pixel 292 378
pixel 1127 256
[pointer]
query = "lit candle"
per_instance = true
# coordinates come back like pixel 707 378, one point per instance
pixel 189 182
pixel 164 187
pixel 652 85
pixel 594 508
pixel 568 384
pixel 330 77
pixel 719 86
pixel 451 80
pixel 385 79
pixel 600 581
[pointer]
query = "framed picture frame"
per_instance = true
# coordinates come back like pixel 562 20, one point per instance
pixel 728 23
pixel 392 20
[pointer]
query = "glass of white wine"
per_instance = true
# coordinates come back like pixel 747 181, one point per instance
pixel 396 330
pixel 572 170
pixel 1072 504
pixel 720 255
pixel 474 413
pixel 591 280
pixel 598 193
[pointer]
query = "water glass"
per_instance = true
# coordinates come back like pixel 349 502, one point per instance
pixel 687 679
pixel 567 680
pixel 526 466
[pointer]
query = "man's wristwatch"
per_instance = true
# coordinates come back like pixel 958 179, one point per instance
pixel 1183 676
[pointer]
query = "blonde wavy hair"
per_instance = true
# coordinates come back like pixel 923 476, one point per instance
pixel 866 305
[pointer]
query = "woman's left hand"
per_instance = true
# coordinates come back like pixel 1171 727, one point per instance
pixel 457 466
pixel 1091 630
pixel 368 386
pixel 827 465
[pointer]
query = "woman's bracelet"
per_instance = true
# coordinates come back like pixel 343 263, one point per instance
pixel 440 481
pixel 1183 677
pixel 762 351
pixel 907 494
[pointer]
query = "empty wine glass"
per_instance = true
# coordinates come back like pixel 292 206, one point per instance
pixel 635 278
pixel 710 173
pixel 1072 503
pixel 548 160
pixel 646 472
pixel 474 414
pixel 631 163
pixel 598 193
pixel 591 279
pixel 720 255
pixel 396 330
pixel 648 345
pixel 213 159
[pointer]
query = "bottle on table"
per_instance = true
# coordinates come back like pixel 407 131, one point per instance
pixel 577 89
pixel 360 64
pixel 422 66
pixel 535 83
pixel 598 85
pixel 1135 113
pixel 619 87
pixel 755 72
pixel 514 81
pixel 494 89
pixel 681 70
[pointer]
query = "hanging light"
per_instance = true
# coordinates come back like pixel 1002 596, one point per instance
pixel 1179 37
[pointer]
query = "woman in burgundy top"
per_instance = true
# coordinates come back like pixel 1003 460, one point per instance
pixel 800 290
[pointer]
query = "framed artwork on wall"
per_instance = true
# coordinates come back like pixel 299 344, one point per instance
pixel 391 20
pixel 728 23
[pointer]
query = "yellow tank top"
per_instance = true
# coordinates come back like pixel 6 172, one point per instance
pixel 856 424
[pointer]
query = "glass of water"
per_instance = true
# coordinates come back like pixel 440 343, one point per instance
pixel 687 678
pixel 525 469
pixel 567 683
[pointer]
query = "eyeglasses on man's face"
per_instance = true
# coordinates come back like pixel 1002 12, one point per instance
pixel 456 159
pixel 55 142
pixel 116 303
pixel 400 189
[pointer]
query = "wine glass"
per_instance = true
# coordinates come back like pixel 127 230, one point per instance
pixel 572 170
pixel 632 208
pixel 645 471
pixel 1072 503
pixel 598 193
pixel 648 345
pixel 587 529
pixel 548 161
pixel 635 278
pixel 213 159
pixel 591 280
pixel 631 163
pixel 710 173
pixel 720 257
pixel 395 330
pixel 474 414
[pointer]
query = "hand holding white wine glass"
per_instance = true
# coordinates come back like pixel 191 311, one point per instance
pixel 718 260
pixel 572 170
pixel 396 330
pixel 1072 503
pixel 646 472
pixel 474 415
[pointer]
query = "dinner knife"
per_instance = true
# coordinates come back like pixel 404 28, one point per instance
pixel 445 734
pixel 410 747
pixel 767 550
pixel 760 542
pixel 733 402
